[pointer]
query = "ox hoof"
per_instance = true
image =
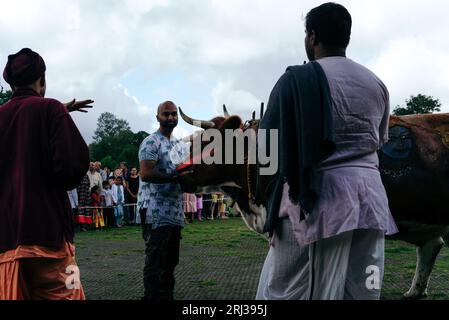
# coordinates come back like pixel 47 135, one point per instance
pixel 414 296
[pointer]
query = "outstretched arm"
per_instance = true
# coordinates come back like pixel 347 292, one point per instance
pixel 74 105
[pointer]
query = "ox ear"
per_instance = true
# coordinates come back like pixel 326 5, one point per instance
pixel 233 122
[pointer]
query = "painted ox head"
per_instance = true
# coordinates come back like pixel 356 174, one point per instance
pixel 415 168
pixel 217 165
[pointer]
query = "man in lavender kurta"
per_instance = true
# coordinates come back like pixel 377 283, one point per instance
pixel 337 251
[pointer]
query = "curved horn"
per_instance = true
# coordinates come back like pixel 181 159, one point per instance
pixel 225 111
pixel 197 123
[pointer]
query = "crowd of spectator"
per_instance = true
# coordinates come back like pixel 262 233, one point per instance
pixel 205 206
pixel 107 198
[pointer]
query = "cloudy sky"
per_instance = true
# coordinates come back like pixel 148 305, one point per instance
pixel 130 55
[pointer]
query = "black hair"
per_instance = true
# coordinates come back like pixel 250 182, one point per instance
pixel 94 189
pixel 42 83
pixel 332 24
pixel 105 183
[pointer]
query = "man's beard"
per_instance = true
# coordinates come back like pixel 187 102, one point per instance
pixel 169 124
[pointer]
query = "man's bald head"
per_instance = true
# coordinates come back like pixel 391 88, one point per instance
pixel 167 115
pixel 166 105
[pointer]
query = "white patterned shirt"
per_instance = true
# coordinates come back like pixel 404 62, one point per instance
pixel 163 201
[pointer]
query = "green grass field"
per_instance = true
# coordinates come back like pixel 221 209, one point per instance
pixel 220 259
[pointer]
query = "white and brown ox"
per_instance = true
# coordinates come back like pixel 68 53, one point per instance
pixel 415 171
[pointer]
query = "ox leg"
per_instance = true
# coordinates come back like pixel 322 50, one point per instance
pixel 426 256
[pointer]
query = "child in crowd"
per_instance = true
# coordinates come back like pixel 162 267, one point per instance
pixel 111 181
pixel 107 203
pixel 199 206
pixel 118 172
pixel 221 206
pixel 213 206
pixel 206 205
pixel 118 197
pixel 189 204
pixel 95 195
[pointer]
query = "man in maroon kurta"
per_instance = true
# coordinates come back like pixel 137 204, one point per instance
pixel 42 156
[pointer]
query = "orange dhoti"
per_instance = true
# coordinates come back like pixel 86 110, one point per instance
pixel 38 273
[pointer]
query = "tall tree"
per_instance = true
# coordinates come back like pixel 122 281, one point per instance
pixel 109 125
pixel 420 104
pixel 115 142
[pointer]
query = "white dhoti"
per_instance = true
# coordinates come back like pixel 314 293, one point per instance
pixel 285 274
pixel 349 266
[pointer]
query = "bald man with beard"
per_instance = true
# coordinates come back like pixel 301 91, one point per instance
pixel 43 156
pixel 161 206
